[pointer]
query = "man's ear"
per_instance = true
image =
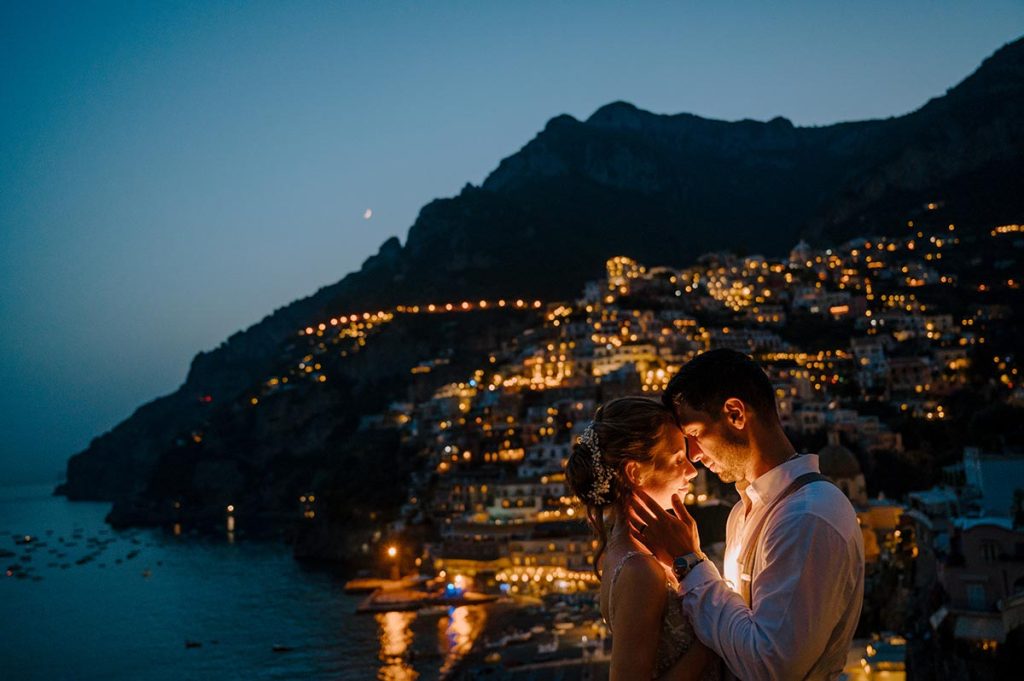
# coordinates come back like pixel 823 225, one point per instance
pixel 735 413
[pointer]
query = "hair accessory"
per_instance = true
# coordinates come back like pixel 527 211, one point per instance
pixel 598 494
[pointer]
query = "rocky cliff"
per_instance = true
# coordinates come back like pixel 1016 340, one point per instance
pixel 661 188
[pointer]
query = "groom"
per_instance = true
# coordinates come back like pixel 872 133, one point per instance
pixel 793 587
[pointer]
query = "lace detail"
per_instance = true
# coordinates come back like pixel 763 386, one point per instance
pixel 676 635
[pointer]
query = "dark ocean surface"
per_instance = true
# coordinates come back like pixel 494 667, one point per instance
pixel 128 611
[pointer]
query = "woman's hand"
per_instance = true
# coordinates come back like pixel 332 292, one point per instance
pixel 664 535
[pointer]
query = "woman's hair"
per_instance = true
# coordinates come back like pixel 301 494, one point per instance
pixel 626 429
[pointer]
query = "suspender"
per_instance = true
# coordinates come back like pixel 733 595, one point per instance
pixel 749 552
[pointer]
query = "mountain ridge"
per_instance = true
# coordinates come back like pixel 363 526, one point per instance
pixel 662 188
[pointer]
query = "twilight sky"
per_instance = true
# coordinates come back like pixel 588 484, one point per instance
pixel 172 172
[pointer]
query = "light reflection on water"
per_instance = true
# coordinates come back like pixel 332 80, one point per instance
pixel 459 630
pixel 456 633
pixel 395 639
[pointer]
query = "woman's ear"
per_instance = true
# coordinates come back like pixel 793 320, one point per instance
pixel 632 471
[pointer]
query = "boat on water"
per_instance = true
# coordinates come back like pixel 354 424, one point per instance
pixel 549 647
pixel 371 584
pixel 520 636
pixel 509 639
pixel 389 600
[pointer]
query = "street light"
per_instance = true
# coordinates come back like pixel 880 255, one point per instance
pixel 393 555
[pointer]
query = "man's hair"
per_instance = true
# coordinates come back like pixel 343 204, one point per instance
pixel 709 379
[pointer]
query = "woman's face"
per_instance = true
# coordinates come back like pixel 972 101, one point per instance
pixel 672 471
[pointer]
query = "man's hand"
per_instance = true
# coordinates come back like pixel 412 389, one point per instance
pixel 666 537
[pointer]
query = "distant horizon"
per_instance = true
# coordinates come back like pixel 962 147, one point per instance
pixel 176 173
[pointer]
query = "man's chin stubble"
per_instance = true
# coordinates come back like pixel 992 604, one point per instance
pixel 728 476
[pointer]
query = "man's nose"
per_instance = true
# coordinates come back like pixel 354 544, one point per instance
pixel 696 453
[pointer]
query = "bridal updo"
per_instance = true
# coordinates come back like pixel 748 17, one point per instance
pixel 623 430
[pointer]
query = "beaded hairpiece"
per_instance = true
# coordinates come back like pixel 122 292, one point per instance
pixel 599 493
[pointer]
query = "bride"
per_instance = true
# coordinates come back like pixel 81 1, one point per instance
pixel 633 443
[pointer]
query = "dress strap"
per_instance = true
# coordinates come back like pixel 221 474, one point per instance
pixel 615 576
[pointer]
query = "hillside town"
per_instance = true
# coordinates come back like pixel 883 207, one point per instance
pixel 410 342
pixel 872 347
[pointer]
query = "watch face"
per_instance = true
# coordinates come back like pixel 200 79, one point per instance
pixel 683 564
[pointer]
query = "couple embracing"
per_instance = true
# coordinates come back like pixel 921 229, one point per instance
pixel 793 584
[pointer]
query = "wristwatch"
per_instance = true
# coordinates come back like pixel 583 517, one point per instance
pixel 684 564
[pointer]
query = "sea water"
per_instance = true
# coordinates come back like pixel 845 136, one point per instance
pixel 83 601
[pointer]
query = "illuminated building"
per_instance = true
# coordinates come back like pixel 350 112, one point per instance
pixel 610 359
pixel 522 500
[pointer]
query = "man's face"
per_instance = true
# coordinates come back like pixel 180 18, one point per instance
pixel 724 450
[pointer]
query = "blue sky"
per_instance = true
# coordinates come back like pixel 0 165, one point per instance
pixel 172 172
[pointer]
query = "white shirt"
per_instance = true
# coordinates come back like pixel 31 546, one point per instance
pixel 808 582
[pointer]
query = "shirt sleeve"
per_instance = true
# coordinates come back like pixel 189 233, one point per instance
pixel 797 602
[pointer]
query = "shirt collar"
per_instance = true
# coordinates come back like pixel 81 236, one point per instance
pixel 764 489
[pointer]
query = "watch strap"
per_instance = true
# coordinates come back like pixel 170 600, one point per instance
pixel 682 565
